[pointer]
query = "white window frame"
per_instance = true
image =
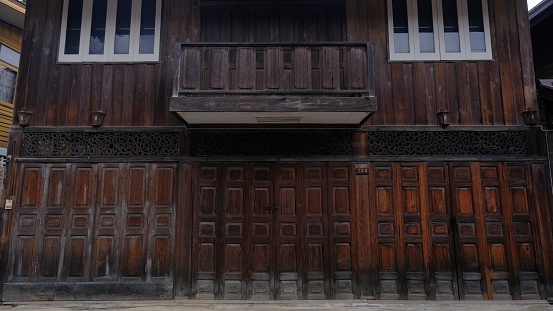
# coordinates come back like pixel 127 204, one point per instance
pixel 439 36
pixel 109 42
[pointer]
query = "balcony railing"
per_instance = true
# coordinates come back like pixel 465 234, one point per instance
pixel 265 77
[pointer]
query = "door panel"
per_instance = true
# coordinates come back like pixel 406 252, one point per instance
pixel 262 232
pixel 233 235
pixel 340 232
pixel 282 235
pixel 107 254
pixel 289 228
pixel 28 225
pixel 94 223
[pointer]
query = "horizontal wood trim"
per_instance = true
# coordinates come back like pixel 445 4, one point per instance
pixel 260 3
pixel 269 44
pixel 273 104
pixel 88 291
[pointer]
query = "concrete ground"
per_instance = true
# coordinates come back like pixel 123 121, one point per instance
pixel 357 305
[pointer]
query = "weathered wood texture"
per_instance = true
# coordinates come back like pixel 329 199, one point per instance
pixel 117 227
pixel 477 93
pixel 266 231
pixel 455 230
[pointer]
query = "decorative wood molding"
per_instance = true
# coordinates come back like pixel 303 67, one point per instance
pixel 447 143
pixel 103 144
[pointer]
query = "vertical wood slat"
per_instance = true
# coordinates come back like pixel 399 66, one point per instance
pixel 245 64
pixel 190 72
pixel 330 68
pixel 357 73
pixel 219 68
pixel 273 68
pixel 302 68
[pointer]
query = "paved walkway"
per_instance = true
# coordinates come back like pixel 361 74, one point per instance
pixel 358 305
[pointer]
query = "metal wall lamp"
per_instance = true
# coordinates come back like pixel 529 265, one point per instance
pixel 97 118
pixel 530 117
pixel 444 117
pixel 24 117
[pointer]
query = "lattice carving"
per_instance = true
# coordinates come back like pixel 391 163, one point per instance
pixel 100 144
pixel 273 144
pixel 419 143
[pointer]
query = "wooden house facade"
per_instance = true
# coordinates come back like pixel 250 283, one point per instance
pixel 218 149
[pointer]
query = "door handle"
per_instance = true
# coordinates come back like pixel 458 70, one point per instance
pixel 271 208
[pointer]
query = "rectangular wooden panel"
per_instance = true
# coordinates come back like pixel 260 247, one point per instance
pixel 273 68
pixel 219 68
pixel 330 68
pixel 245 66
pixel 190 70
pixel 302 68
pixel 358 67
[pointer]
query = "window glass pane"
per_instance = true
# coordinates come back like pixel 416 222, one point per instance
pixel 7 84
pixel 147 26
pixel 9 56
pixel 476 26
pixel 451 26
pixel 73 32
pixel 98 31
pixel 426 26
pixel 401 26
pixel 123 27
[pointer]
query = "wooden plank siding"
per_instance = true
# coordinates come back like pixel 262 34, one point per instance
pixel 477 92
pixel 11 37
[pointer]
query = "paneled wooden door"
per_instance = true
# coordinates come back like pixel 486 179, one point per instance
pixel 273 231
pixel 95 223
pixel 445 231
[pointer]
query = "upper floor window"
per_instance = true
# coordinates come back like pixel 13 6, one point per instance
pixel 110 31
pixel 9 62
pixel 433 30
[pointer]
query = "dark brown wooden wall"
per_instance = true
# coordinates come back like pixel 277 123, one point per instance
pixel 477 93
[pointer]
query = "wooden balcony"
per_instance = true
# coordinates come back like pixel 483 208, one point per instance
pixel 237 83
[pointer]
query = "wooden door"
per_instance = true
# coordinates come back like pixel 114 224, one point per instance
pixel 94 223
pixel 273 231
pixel 454 231
pixel 38 243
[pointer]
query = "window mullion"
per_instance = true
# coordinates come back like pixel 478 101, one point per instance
pixel 419 54
pixel 110 29
pixel 86 28
pixel 135 29
pixel 464 35
pixel 157 35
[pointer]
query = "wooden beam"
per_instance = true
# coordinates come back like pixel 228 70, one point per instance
pixel 273 104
